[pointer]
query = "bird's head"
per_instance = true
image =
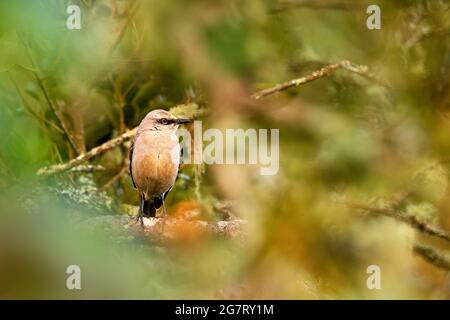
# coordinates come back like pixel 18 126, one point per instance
pixel 162 120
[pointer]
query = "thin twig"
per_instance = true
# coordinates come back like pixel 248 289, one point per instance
pixel 363 71
pixel 87 168
pixel 423 227
pixel 428 253
pixel 117 176
pixel 58 168
pixel 133 8
pixel 432 256
pixel 323 72
pixel 30 109
pixel 52 107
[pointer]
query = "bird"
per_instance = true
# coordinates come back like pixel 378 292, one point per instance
pixel 155 156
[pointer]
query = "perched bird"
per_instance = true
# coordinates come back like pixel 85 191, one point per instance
pixel 155 159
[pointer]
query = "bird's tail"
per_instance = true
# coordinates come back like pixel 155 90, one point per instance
pixel 148 208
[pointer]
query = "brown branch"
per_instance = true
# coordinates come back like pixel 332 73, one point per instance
pixel 321 73
pixel 87 168
pixel 117 176
pixel 423 227
pixel 364 72
pixel 173 229
pixel 424 34
pixel 58 168
pixel 432 256
pixel 76 114
pixel 57 113
pixel 428 253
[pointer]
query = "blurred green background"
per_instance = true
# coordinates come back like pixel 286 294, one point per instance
pixel 343 139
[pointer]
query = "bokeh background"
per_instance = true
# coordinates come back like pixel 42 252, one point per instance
pixel 346 142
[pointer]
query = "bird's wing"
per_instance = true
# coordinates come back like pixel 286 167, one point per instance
pixel 181 157
pixel 167 192
pixel 130 155
pixel 159 200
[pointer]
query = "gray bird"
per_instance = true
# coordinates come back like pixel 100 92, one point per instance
pixel 155 159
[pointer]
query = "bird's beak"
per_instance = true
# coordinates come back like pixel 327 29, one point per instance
pixel 183 120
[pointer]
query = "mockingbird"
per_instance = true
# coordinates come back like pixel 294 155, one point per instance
pixel 155 159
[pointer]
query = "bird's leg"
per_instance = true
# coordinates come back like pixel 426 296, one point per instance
pixel 140 216
pixel 164 216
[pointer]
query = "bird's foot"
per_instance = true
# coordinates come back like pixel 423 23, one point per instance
pixel 140 218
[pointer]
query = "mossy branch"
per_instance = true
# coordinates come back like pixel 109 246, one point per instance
pixel 58 168
pixel 321 73
pixel 432 256
pixel 423 227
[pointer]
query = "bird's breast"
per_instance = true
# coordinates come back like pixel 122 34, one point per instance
pixel 156 158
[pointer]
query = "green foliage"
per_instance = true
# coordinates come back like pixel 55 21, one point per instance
pixel 345 139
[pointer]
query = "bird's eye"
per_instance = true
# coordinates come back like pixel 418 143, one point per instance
pixel 164 121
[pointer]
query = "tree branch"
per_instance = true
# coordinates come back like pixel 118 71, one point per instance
pixel 432 256
pixel 175 229
pixel 87 168
pixel 117 176
pixel 423 227
pixel 321 73
pixel 428 253
pixel 58 168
